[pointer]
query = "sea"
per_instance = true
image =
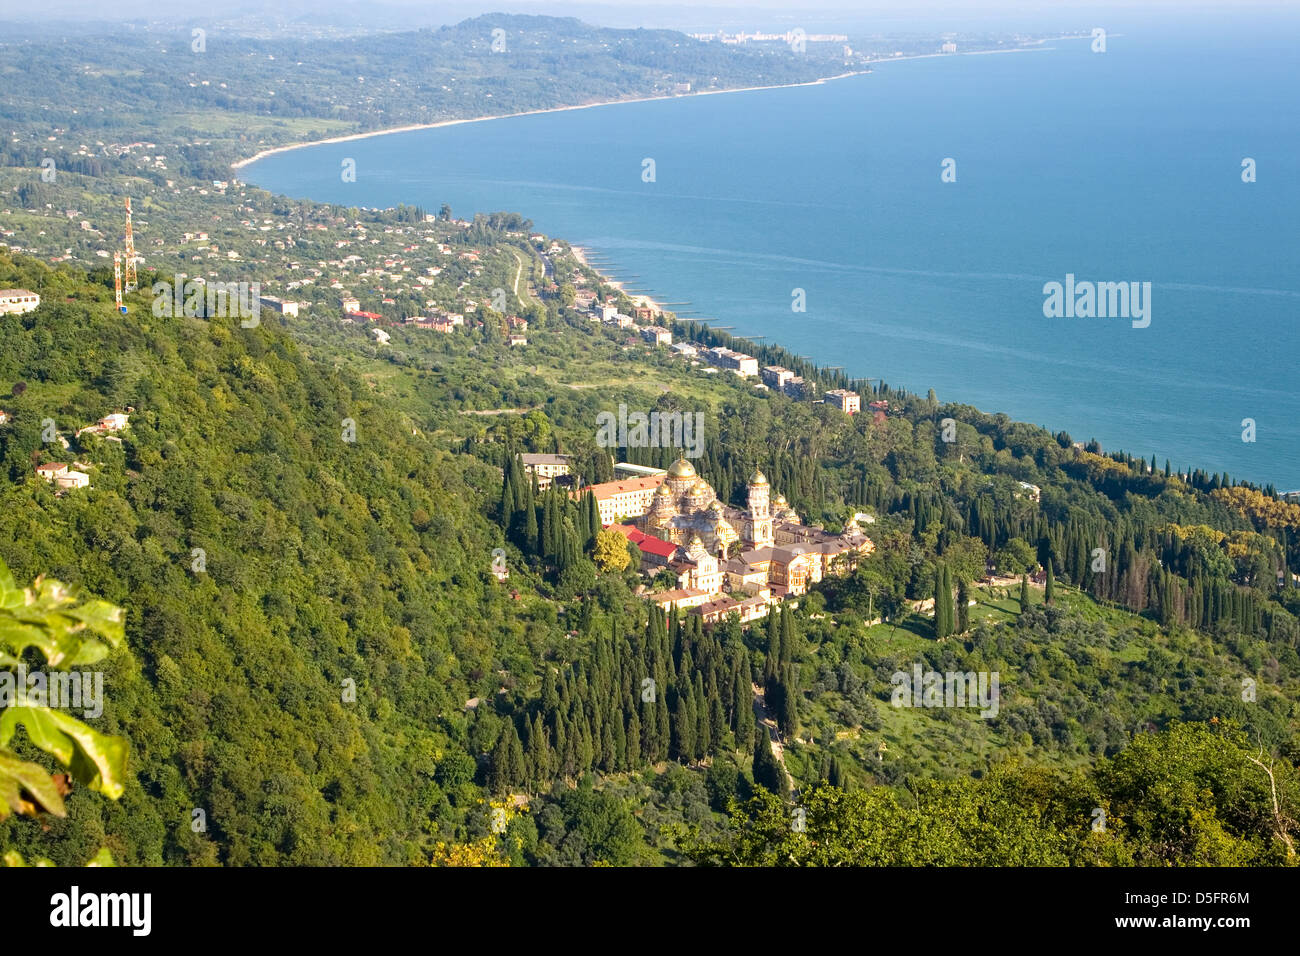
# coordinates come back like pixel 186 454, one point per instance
pixel 906 224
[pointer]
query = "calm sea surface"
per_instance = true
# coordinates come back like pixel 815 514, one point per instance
pixel 1123 166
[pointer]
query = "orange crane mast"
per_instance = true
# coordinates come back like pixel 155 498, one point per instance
pixel 131 279
pixel 117 281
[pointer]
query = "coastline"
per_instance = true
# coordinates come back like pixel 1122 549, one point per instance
pixel 639 298
pixel 241 163
pixel 412 127
pixel 581 253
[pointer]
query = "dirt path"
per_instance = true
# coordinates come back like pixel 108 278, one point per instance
pixel 527 296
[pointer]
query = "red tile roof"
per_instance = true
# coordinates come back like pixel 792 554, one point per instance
pixel 609 489
pixel 648 544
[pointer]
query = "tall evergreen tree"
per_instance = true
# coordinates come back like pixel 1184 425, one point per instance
pixel 963 607
pixel 941 605
pixel 773 662
pixel 593 518
pixel 789 713
pixel 549 528
pixel 767 772
pixel 683 726
pixel 507 770
pixel 530 518
pixel 787 636
pixel 743 705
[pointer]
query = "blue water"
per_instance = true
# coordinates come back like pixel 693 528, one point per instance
pixel 1118 166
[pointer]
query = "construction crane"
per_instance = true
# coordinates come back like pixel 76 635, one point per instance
pixel 131 280
pixel 117 282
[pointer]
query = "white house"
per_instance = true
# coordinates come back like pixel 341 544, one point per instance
pixel 18 301
pixel 72 479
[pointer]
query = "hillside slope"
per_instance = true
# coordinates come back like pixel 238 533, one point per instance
pixel 326 561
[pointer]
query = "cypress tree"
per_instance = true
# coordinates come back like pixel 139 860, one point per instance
pixel 787 636
pixel 541 752
pixel 767 772
pixel 789 713
pixel 963 607
pixel 743 707
pixel 608 745
pixel 773 645
pixel 838 778
pixel 507 760
pixel 662 739
pixel 635 756
pixel 1024 593
pixel 1051 584
pixel 548 526
pixel 700 705
pixel 586 750
pixel 650 733
pixel 593 518
pixel 518 769
pixel 938 604
pixel 683 727
pixel 563 747
pixel 497 777
pixel 530 518
pixel 550 696
pixel 507 501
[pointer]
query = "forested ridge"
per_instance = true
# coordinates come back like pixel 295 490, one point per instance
pixel 325 561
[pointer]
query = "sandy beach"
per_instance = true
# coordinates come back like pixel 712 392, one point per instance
pixel 240 164
pixel 578 252
pixel 642 300
pixel 271 151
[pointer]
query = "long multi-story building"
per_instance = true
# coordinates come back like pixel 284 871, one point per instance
pixel 629 498
pixel 736 361
pixel 845 400
pixel 18 301
pixel 545 467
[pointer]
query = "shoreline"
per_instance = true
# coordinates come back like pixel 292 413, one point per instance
pixel 580 252
pixel 413 127
pixel 639 298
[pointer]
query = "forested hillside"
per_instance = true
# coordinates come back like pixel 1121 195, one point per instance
pixel 324 561
pixel 212 99
pixel 301 529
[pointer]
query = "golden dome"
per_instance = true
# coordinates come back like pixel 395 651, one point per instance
pixel 780 501
pixel 681 468
pixel 715 505
pixel 663 490
pixel 757 478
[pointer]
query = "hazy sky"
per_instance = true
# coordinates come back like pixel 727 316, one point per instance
pixel 847 14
